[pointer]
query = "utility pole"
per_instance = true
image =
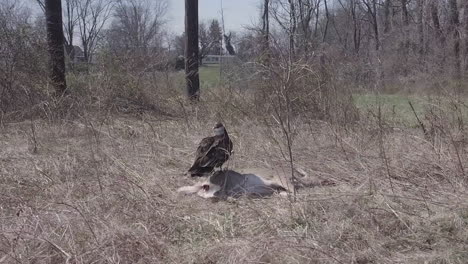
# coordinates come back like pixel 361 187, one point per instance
pixel 191 49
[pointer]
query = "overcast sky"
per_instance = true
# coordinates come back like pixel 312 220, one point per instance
pixel 237 13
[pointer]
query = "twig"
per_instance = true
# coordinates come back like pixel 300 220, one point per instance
pixel 421 124
pixel 59 249
pixel 382 148
pixel 84 218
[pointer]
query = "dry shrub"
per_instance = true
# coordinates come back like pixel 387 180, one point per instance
pixel 304 88
pixel 100 186
pixel 103 192
pixel 22 53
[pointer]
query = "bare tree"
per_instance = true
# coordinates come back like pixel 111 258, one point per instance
pixel 404 13
pixel 205 42
pixel 179 44
pixel 191 49
pixel 420 23
pixel 466 35
pixel 454 30
pixel 53 10
pixel 306 9
pixel 71 20
pixel 266 30
pixel 216 36
pixel 70 16
pixel 405 23
pixel 387 5
pixel 247 45
pixel 92 16
pixel 22 56
pixel 327 20
pixel 435 20
pixel 292 27
pixel 438 31
pixel 356 26
pixel 136 24
pixel 352 10
pixel 371 8
pixel 210 39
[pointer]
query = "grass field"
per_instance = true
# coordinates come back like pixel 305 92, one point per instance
pixel 397 109
pixel 100 186
pixel 394 107
pixel 101 189
pixel 209 75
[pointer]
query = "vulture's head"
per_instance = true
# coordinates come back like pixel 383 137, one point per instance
pixel 219 129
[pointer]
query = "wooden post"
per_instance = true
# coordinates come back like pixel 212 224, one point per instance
pixel 53 10
pixel 191 49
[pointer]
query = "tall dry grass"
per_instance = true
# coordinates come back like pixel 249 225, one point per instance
pixel 96 183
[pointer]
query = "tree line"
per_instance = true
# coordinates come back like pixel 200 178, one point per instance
pixel 397 38
pixel 360 42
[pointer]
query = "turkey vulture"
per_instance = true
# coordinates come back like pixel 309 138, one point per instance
pixel 212 152
pixel 229 47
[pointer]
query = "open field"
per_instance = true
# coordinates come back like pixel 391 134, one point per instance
pixel 209 75
pixel 361 106
pixel 95 181
pixel 395 107
pixel 100 189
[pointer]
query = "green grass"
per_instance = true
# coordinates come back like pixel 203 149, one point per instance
pixel 209 75
pixel 395 107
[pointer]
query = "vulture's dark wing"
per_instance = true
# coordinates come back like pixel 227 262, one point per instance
pixel 202 157
pixel 205 146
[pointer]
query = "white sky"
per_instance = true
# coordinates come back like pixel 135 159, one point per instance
pixel 237 13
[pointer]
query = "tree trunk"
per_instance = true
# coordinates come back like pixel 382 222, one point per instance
pixel 266 32
pixel 436 22
pixel 406 42
pixel 440 37
pixel 317 20
pixel 372 12
pixel 466 36
pixel 69 30
pixel 375 25
pixel 454 29
pixel 305 16
pixel 387 6
pixel 420 10
pixel 292 27
pixel 53 10
pixel 191 49
pixel 327 17
pixel 356 28
pixel 405 23
pixel 404 13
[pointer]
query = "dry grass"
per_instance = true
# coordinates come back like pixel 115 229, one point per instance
pixel 100 189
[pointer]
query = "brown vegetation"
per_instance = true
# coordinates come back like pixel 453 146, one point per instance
pixel 100 187
pixel 92 177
